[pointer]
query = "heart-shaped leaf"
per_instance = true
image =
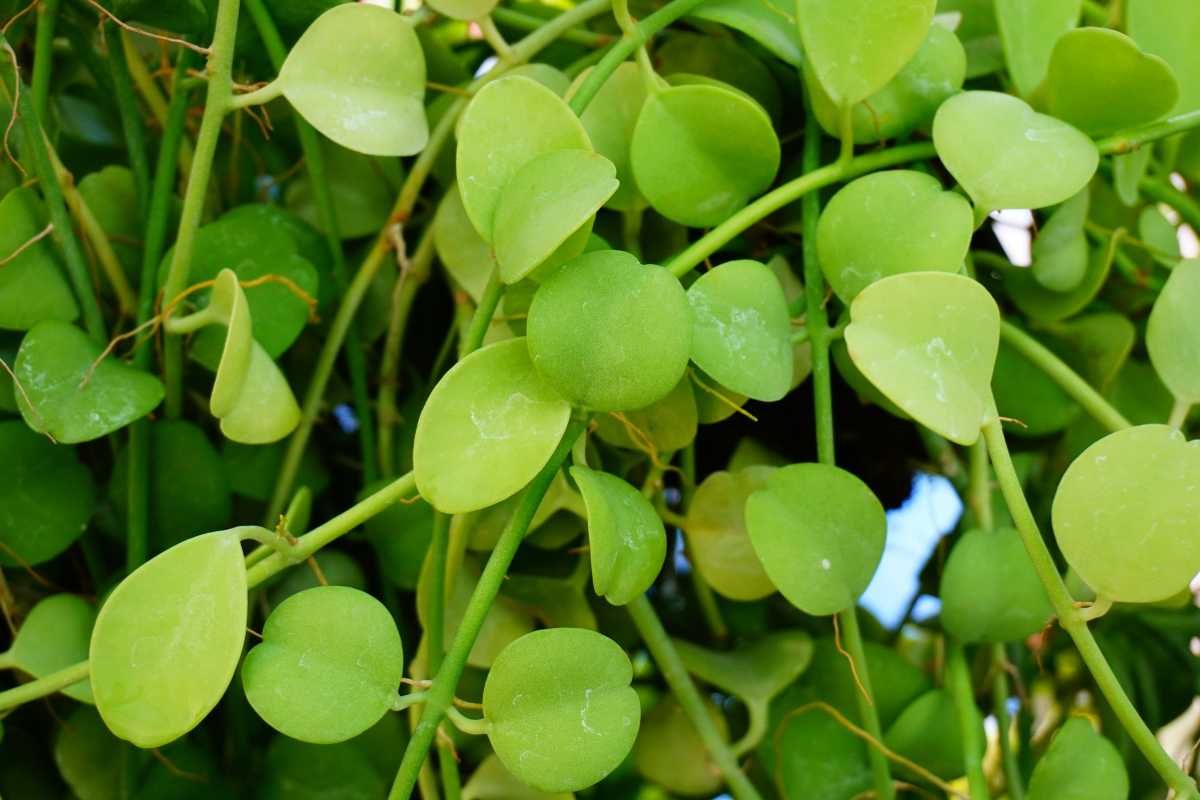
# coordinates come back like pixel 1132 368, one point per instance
pixel 909 100
pixel 1173 332
pixel 560 709
pixel 358 76
pixel 1168 29
pixel 853 60
pixel 928 341
pixel 1060 251
pixel 664 426
pixel 265 410
pixel 551 197
pixel 489 426
pixel 54 635
pixel 1028 31
pixel 32 286
pixel 1057 775
pixel 609 333
pixel 670 753
pixel 54 361
pixel 625 535
pixel 741 330
pixel 168 639
pixel 928 732
pixel 610 119
pixel 328 667
pixel 819 533
pixel 1124 514
pixel 1099 81
pixel 718 543
pixel 990 591
pixel 1006 155
pixel 507 123
pixel 464 254
pixel 725 165
pixel 45 493
pixel 889 223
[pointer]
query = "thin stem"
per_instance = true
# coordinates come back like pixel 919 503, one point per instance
pixel 1129 140
pixel 131 121
pixel 958 681
pixel 43 56
pixel 981 487
pixel 403 701
pixel 1013 783
pixel 1075 626
pixel 528 22
pixel 258 97
pixel 43 687
pixel 472 725
pixel 403 296
pixel 676 675
pixel 1179 413
pixel 216 104
pixel 148 88
pixel 494 38
pixel 482 319
pixel 1067 379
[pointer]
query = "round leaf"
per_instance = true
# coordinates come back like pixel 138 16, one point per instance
pixel 54 636
pixel 718 543
pixel 1028 32
pixel 489 426
pixel 89 758
pixel 856 46
pixel 1173 332
pixel 358 76
pixel 1058 776
pixel 32 287
pixel 491 781
pixel 771 23
pixel 670 753
pixel 328 667
pixel 1047 305
pixel 464 9
pixel 506 124
pixel 1006 155
pixel 464 254
pixel 889 223
pixel 560 709
pixel 819 532
pixel 928 341
pixel 1023 391
pixel 1060 251
pixel 609 120
pixel 54 359
pixel 1125 514
pixel 1168 29
pixel 665 426
pixel 928 732
pixel 548 199
pixel 741 330
pixel 609 333
pixel 168 639
pixel 725 165
pixel 626 538
pixel 990 591
pixel 46 496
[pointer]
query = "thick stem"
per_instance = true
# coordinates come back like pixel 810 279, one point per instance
pixel 1163 192
pixel 958 681
pixel 43 687
pixel 1129 140
pixel 441 693
pixel 1013 782
pixel 1071 621
pixel 676 676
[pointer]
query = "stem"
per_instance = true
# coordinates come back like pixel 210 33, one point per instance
pixel 1067 379
pixel 43 56
pixel 403 701
pixel 43 687
pixel 482 319
pixel 529 22
pixel 472 725
pixel 1179 413
pixel 1012 771
pixel 216 104
pixel 314 162
pixel 131 120
pixel 981 487
pixel 403 295
pixel 817 324
pixel 1129 140
pixel 153 96
pixel 494 38
pixel 441 693
pixel 659 643
pixel 258 97
pixel 958 680
pixel 1163 192
pixel 1075 626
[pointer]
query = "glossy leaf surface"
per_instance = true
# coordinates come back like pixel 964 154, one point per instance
pixel 55 635
pixel 625 536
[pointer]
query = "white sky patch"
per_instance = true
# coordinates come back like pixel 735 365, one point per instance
pixel 1014 230
pixel 486 66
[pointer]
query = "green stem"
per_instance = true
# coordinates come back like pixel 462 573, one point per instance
pixel 958 680
pixel 258 97
pixel 1179 413
pixel 441 693
pixel 475 726
pixel 216 104
pixel 482 318
pixel 1071 621
pixel 43 56
pixel 528 22
pixel 131 121
pixel 1163 192
pixel 43 687
pixel 1067 379
pixel 1129 140
pixel 1013 783
pixel 981 487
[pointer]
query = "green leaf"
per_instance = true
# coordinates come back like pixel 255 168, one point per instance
pixel 1168 29
pixel 358 76
pixel 45 493
pixel 32 286
pixel 1028 31
pixel 54 636
pixel 301 771
pixel 741 330
pixel 665 426
pixel 504 624
pixel 725 165
pixel 1006 155
pixel 625 536
pixel 460 248
pixel 609 120
pixel 928 341
pixel 265 410
pixel 819 759
pixel 362 188
pixel 1057 774
pixel 168 639
pixel 909 99
pixel 337 568
pixel 1095 345
pixel 1046 305
pixel 1060 251
pixel 507 123
pixel 551 197
pixel 400 535
pixel 1099 81
pixel 928 733
pixel 889 223
pixel 488 428
pixel 819 532
pixel 769 22
pixel 853 60
pixel 683 58
pixel 1157 231
pixel 1125 510
pixel 464 9
pixel 491 781
pixel 1173 332
pixel 671 754
pixel 1023 391
pixel 560 709
pixel 990 591
pixel 89 758
pixel 718 543
pixel 1128 171
pixel 54 360
pixel 328 667
pixel 609 333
